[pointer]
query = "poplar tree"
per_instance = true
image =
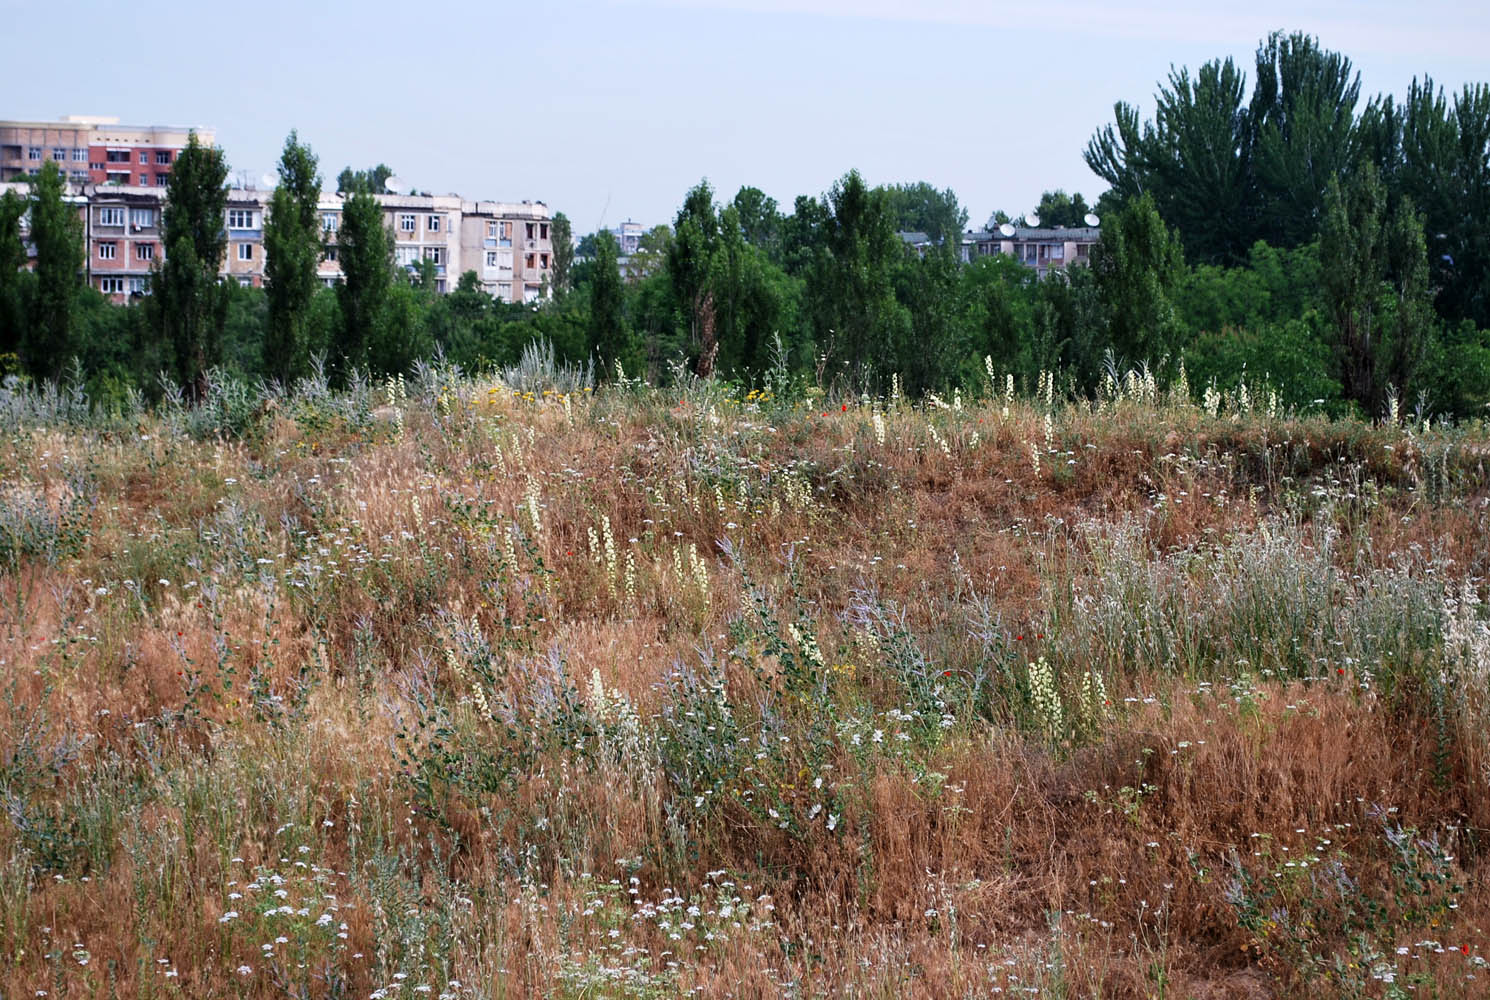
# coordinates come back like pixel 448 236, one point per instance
pixel 610 341
pixel 12 260
pixel 292 249
pixel 365 251
pixel 57 234
pixel 188 301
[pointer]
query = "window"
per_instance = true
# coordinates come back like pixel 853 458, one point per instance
pixel 240 218
pixel 245 251
pixel 118 156
pixel 406 256
pixel 433 224
pixel 111 216
pixel 95 166
pixel 328 222
pixel 81 176
pixel 330 255
pixel 531 227
pixel 144 180
pixel 111 286
pixel 530 261
pixel 491 259
pixel 107 251
pixel 160 180
pixel 407 223
pixel 542 261
pixel 80 155
pixel 139 286
pixel 435 255
pixel 33 153
pixel 163 156
pixel 245 282
pixel 144 218
pixel 491 230
pixel 543 231
pixel 59 153
pixel 504 290
pixel 144 251
pixel 1058 252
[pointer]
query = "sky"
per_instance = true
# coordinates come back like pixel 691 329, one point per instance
pixel 609 110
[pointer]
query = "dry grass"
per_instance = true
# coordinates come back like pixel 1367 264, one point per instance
pixel 654 693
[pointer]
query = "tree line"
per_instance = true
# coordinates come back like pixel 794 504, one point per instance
pixel 1288 235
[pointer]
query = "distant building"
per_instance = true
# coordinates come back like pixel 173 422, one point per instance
pixel 628 237
pixel 507 244
pixel 1043 249
pixel 117 175
pixel 95 150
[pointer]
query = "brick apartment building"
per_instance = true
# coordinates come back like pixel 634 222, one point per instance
pixel 94 150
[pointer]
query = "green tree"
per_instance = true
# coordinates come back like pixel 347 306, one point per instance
pixel 57 235
pixel 921 208
pixel 1228 171
pixel 1443 165
pixel 1057 208
pixel 692 259
pixel 12 278
pixel 609 338
pixel 365 252
pixel 850 290
pixel 1375 284
pixel 760 220
pixel 373 180
pixel 292 249
pixel 753 298
pixel 188 303
pixel 563 243
pixel 1303 113
pixel 1194 159
pixel 1137 265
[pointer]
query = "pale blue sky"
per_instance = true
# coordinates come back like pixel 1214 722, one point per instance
pixel 610 109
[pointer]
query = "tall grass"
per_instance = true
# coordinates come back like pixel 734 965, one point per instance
pixel 514 687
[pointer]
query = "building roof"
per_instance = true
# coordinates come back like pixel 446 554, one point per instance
pixel 1033 234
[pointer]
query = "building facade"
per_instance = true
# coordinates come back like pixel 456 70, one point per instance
pixel 95 150
pixel 1041 249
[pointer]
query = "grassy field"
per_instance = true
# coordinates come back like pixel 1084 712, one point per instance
pixel 518 687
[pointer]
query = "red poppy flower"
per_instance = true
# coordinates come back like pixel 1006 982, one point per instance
pixel 845 407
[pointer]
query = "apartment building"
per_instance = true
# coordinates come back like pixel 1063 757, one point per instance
pixel 1042 249
pixel 507 244
pixel 95 150
pixel 123 237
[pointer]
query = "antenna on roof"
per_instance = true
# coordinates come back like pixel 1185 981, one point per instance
pixel 1007 229
pixel 1092 220
pixel 1032 218
pixel 395 185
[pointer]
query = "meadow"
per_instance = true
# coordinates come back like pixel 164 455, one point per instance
pixel 527 685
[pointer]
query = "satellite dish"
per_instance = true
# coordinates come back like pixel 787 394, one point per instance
pixel 1092 220
pixel 395 185
pixel 1032 219
pixel 269 181
pixel 1007 229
